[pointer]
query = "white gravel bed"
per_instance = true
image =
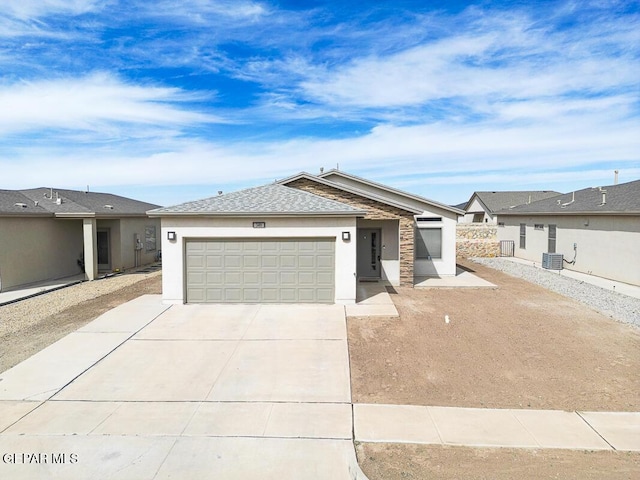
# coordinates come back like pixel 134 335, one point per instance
pixel 615 305
pixel 30 311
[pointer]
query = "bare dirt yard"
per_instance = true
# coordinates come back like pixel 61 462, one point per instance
pixel 517 346
pixel 28 326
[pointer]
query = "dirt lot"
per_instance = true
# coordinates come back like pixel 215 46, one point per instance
pixel 417 462
pixel 518 346
pixel 30 337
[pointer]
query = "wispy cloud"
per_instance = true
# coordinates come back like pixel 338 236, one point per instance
pixel 99 102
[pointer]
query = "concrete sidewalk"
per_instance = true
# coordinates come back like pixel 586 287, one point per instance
pixel 483 427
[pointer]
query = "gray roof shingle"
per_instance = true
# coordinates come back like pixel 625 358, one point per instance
pixel 269 199
pixel 39 201
pixel 495 201
pixel 620 199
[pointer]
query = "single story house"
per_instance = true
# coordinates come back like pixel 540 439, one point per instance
pixel 596 229
pixel 48 233
pixel 307 238
pixel 482 206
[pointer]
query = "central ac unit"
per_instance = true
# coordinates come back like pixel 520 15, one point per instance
pixel 552 261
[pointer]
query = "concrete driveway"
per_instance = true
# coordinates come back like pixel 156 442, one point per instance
pixel 149 391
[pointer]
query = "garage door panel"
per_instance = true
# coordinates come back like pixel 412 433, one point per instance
pixel 251 261
pixel 324 261
pixel 307 261
pixel 269 261
pixel 232 261
pixel 260 271
pixel 288 261
pixel 324 278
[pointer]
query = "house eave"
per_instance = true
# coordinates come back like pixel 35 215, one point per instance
pixel 358 213
pixel 567 214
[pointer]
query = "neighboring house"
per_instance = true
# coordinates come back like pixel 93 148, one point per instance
pixel 307 238
pixel 48 233
pixel 596 229
pixel 482 206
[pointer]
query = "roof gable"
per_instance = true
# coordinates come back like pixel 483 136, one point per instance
pixel 374 191
pixel 495 201
pixel 272 199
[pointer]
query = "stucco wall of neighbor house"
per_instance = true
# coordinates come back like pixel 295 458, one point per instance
pixel 477 240
pixel 375 211
pixel 129 228
pixel 38 249
pixel 606 246
pixel 173 254
pixel 446 265
pixel 390 251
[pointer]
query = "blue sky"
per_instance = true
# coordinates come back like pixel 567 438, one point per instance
pixel 172 100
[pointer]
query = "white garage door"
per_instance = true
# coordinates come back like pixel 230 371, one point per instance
pixel 260 270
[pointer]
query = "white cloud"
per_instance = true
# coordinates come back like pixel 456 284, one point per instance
pixel 27 9
pixel 99 103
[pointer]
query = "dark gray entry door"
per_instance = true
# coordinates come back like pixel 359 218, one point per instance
pixel 260 270
pixel 368 252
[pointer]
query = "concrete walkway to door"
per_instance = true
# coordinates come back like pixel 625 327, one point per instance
pixel 149 391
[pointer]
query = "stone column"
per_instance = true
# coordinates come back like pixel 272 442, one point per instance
pixel 90 248
pixel 406 251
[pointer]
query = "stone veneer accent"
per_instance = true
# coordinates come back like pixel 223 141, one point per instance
pixel 477 240
pixel 375 211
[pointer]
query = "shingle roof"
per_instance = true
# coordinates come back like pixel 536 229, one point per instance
pixel 495 201
pixel 269 199
pixel 39 201
pixel 13 202
pixel 619 199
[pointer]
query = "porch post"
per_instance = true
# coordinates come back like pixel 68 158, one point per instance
pixel 90 248
pixel 406 251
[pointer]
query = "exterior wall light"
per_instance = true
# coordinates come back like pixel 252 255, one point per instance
pixel 171 236
pixel 346 236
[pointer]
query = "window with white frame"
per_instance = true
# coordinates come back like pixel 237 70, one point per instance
pixel 523 235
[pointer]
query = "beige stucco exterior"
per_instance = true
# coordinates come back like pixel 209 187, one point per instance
pixel 188 227
pixel 37 248
pixel 606 245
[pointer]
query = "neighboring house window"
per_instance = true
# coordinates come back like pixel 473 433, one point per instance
pixel 428 243
pixel 538 226
pixel 523 236
pixel 478 217
pixel 552 239
pixel 150 238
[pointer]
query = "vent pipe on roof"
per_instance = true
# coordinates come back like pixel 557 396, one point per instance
pixel 573 199
pixel 219 192
pixel 604 197
pixel 321 169
pixel 615 177
pixel 529 199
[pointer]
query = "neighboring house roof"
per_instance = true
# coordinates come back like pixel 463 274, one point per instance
pixel 621 199
pixel 272 199
pixel 406 202
pixel 495 201
pixel 69 203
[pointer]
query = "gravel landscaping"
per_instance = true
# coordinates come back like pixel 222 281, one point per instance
pixel 615 305
pixel 28 326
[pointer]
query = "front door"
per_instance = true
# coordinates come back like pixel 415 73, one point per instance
pixel 368 252
pixel 104 254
